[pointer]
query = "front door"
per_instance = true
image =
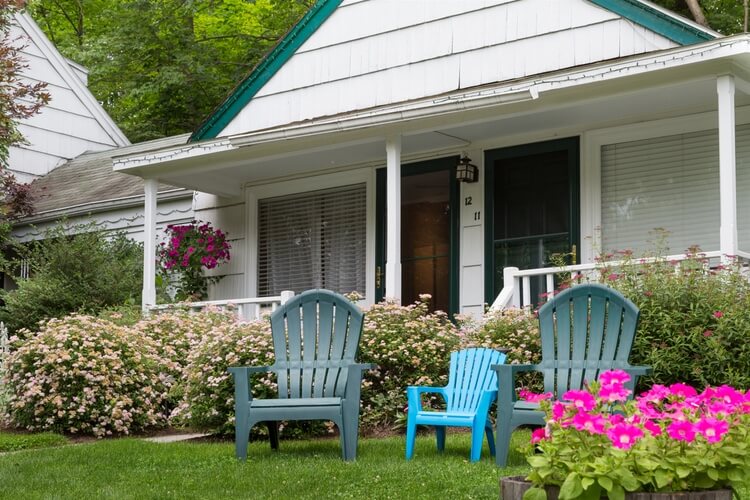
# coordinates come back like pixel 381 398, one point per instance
pixel 428 233
pixel 532 207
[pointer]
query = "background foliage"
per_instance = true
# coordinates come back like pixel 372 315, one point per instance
pixel 84 272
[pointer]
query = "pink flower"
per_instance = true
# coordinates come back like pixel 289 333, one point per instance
pixel 653 428
pixel 682 390
pixel 558 410
pixel 611 377
pixel 708 333
pixel 539 435
pixel 593 424
pixel 712 429
pixel 613 393
pixel 533 397
pixel 582 400
pixel 718 314
pixel 681 430
pixel 624 436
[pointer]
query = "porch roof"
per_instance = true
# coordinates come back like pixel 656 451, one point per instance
pixel 672 82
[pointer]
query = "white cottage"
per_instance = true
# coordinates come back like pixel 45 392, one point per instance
pixel 591 122
pixel 72 123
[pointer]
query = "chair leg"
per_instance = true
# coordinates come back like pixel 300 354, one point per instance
pixel 502 442
pixel 241 437
pixel 411 431
pixel 490 438
pixel 440 435
pixel 477 436
pixel 273 434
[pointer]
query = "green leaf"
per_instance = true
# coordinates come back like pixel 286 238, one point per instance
pixel 535 493
pixel 713 474
pixel 586 482
pixel 572 487
pixel 605 482
pixel 735 475
pixel 617 493
pixel 662 478
pixel 537 461
pixel 682 471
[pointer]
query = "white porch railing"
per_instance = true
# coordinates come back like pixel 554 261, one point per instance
pixel 248 308
pixel 517 284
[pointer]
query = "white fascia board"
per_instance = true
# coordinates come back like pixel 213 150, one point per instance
pixel 487 96
pixel 127 164
pixel 63 67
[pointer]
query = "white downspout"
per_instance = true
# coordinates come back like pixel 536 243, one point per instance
pixel 149 243
pixel 393 218
pixel 725 87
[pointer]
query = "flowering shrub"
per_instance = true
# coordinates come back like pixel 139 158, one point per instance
pixel 208 400
pixel 410 346
pixel 176 334
pixel 189 249
pixel 513 330
pixel 695 320
pixel 667 439
pixel 85 375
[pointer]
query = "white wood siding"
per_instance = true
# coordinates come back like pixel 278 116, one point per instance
pixel 71 124
pixel 377 52
pixel 229 216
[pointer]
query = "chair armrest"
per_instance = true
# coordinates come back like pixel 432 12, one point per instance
pixel 363 366
pixel 506 382
pixel 239 370
pixel 242 391
pixel 638 370
pixel 354 374
pixel 414 393
pixel 514 368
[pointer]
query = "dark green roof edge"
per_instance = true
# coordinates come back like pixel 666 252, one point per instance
pixel 656 20
pixel 268 67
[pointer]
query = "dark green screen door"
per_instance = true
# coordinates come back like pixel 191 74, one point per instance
pixel 532 206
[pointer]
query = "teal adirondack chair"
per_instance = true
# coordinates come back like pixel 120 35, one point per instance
pixel 585 330
pixel 315 338
pixel 471 389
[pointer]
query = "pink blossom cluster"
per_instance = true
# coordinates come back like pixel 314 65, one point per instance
pixel 676 412
pixel 194 245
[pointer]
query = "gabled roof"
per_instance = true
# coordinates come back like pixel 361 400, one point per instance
pixel 88 184
pixel 641 12
pixel 74 82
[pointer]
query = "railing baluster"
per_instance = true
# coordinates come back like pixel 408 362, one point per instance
pixel 550 285
pixel 526 291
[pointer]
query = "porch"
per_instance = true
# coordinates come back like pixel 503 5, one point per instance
pixel 699 91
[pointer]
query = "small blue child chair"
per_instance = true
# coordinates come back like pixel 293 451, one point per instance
pixel 471 389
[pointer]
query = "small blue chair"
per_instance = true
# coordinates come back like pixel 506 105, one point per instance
pixel 471 389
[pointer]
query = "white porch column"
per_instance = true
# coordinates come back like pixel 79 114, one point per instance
pixel 149 243
pixel 393 218
pixel 727 167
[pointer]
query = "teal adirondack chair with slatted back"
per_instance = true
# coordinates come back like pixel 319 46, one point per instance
pixel 471 390
pixel 585 330
pixel 315 339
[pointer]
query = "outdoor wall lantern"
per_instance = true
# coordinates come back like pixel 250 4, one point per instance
pixel 466 171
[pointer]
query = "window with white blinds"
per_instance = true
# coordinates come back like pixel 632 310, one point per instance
pixel 670 183
pixel 313 240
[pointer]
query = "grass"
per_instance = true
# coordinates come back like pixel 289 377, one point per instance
pixel 135 469
pixel 19 441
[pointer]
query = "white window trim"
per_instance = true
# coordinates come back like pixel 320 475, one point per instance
pixel 591 163
pixel 254 193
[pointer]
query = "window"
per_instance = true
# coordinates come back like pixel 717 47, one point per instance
pixel 313 240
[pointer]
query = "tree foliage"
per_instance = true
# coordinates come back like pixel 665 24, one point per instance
pixel 160 67
pixel 724 16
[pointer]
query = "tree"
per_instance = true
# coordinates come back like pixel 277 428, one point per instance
pixel 160 67
pixel 725 16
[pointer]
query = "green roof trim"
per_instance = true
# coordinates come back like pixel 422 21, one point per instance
pixel 656 20
pixel 264 71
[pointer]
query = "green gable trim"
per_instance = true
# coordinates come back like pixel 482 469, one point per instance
pixel 268 67
pixel 656 20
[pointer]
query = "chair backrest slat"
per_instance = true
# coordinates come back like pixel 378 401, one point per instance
pixel 602 333
pixel 316 336
pixel 469 376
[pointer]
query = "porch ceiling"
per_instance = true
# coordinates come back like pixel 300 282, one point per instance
pixel 567 111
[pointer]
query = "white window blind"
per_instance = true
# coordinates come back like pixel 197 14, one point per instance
pixel 671 183
pixel 313 240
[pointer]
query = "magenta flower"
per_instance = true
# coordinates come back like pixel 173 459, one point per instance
pixel 533 397
pixel 558 410
pixel 681 430
pixel 612 377
pixel 712 429
pixel 624 436
pixel 613 393
pixel 653 428
pixel 539 435
pixel 593 424
pixel 718 314
pixel 581 400
pixel 682 390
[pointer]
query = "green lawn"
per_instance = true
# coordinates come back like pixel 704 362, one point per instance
pixel 132 468
pixel 11 441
